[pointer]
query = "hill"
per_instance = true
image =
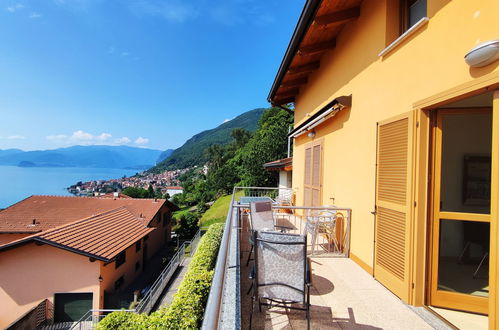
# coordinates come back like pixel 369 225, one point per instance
pixel 193 151
pixel 83 156
pixel 164 155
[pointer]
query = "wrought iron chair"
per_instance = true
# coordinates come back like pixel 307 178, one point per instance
pixel 281 274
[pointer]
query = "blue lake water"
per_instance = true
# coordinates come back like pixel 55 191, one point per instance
pixel 18 183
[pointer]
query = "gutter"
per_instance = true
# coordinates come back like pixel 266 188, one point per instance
pixel 306 17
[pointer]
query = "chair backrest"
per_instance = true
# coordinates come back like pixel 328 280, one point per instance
pixel 262 217
pixel 280 261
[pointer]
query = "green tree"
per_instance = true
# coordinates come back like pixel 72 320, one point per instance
pixel 268 143
pixel 136 192
pixel 186 224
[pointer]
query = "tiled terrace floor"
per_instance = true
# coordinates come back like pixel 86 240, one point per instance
pixel 343 296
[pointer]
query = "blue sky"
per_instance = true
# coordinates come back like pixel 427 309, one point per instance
pixel 146 73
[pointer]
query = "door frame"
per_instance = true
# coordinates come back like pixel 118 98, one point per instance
pixel 447 299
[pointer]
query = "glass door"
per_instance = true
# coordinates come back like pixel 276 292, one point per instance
pixel 460 225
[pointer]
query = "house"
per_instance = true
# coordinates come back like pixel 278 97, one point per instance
pixel 173 190
pixel 393 121
pixel 285 169
pixel 71 251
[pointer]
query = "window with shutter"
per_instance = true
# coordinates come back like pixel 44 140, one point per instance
pixel 393 200
pixel 313 174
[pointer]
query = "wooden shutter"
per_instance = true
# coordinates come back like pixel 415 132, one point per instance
pixel 313 174
pixel 393 204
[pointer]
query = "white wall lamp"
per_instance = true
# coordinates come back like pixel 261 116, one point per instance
pixel 311 134
pixel 483 54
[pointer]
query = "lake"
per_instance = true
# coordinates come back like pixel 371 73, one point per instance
pixel 21 182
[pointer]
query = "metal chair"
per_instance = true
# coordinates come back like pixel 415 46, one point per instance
pixel 281 274
pixel 261 219
pixel 322 221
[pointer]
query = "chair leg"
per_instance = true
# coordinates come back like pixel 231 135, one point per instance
pixel 249 256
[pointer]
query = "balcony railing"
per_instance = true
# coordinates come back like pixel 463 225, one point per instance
pixel 223 309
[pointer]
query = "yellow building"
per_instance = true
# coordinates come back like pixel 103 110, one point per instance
pixel 392 121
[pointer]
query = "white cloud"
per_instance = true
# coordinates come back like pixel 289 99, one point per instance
pixel 226 120
pixel 125 54
pixel 15 7
pixel 81 137
pixel 141 141
pixel 16 137
pixel 35 15
pixel 122 140
pixel 111 50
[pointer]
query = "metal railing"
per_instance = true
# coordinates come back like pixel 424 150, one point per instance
pixel 147 303
pixel 92 317
pixel 223 309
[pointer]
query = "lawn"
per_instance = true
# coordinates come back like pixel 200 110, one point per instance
pixel 218 211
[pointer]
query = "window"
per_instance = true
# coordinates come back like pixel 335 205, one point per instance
pixel 137 265
pixel 411 11
pixel 120 259
pixel 138 246
pixel 119 282
pixel 146 238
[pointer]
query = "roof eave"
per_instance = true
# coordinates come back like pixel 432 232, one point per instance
pixel 306 17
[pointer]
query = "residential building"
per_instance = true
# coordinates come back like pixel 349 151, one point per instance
pixel 72 251
pixel 391 121
pixel 396 108
pixel 173 190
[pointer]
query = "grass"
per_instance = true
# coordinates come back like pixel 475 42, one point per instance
pixel 218 211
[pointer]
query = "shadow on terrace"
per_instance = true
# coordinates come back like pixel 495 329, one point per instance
pixel 342 295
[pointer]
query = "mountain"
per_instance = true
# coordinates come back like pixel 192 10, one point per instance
pixel 193 151
pixel 164 155
pixel 83 156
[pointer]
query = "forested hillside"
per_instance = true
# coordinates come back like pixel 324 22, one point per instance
pixel 193 152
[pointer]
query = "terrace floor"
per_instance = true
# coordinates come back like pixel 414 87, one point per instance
pixel 343 296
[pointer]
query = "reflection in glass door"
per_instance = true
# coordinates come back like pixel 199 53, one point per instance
pixel 461 210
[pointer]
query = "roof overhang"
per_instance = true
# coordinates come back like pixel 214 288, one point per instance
pixel 315 33
pixel 285 164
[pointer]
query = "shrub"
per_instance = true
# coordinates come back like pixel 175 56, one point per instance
pixel 187 308
pixel 123 321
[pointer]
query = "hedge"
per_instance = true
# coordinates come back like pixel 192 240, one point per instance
pixel 187 308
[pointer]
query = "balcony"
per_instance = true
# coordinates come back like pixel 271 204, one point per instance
pixel 343 295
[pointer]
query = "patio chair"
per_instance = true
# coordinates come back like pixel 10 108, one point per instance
pixel 261 219
pixel 323 221
pixel 281 274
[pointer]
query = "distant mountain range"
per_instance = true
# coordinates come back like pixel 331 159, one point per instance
pixel 193 152
pixel 85 156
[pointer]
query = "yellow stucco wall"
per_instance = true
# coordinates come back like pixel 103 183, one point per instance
pixel 429 62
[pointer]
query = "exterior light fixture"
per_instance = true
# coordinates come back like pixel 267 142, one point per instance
pixel 100 278
pixel 311 134
pixel 483 54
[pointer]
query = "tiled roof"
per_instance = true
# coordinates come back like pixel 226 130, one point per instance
pixel 175 188
pixel 40 213
pixel 102 236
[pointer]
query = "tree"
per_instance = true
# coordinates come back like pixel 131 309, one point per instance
pixel 136 192
pixel 268 143
pixel 187 224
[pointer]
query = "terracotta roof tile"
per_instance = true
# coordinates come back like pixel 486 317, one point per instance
pixel 40 213
pixel 102 236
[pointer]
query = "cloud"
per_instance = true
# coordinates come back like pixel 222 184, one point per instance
pixel 35 15
pixel 141 141
pixel 174 11
pixel 122 140
pixel 111 50
pixel 226 120
pixel 15 7
pixel 124 54
pixel 16 137
pixel 81 137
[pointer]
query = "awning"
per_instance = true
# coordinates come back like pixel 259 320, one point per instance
pixel 330 110
pixel 285 164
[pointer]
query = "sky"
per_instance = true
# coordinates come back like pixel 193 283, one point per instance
pixel 148 73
